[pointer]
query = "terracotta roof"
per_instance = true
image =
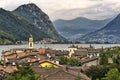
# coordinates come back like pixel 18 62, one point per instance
pixel 44 71
pixel 82 49
pixel 94 50
pixel 6 53
pixel 12 56
pixel 61 53
pixel 21 54
pixel 59 74
pixel 89 59
pixel 41 50
pixel 31 59
pixel 23 49
pixel 8 69
pixel 80 53
pixel 1 67
pixel 50 51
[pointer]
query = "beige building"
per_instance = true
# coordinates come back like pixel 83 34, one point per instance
pixel 71 50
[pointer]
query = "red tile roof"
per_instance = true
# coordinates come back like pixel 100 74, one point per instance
pixel 41 50
pixel 21 54
pixel 12 56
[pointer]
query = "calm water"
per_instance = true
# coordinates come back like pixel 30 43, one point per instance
pixel 56 46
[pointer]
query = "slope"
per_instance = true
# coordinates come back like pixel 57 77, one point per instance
pixel 72 29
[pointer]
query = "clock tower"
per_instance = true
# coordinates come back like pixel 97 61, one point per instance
pixel 31 41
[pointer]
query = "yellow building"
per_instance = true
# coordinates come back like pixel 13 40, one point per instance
pixel 46 63
pixel 30 41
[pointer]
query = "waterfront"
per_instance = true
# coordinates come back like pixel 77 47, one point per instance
pixel 83 58
pixel 55 46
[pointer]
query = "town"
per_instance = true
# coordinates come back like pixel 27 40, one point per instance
pixel 56 64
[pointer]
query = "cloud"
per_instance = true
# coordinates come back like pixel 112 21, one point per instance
pixel 68 9
pixel 99 10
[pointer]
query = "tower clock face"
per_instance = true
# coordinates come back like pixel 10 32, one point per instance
pixel 30 39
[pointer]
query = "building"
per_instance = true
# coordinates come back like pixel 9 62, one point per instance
pixel 19 55
pixel 30 41
pixel 71 50
pixel 80 53
pixel 93 52
pixel 60 73
pixel 88 62
pixel 49 64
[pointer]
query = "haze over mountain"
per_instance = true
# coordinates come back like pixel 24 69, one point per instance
pixel 72 29
pixel 91 13
pixel 15 26
pixel 70 9
pixel 110 33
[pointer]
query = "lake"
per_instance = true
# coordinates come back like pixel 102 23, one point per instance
pixel 55 46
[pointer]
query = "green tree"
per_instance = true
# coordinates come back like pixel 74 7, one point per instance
pixel 96 72
pixel 103 58
pixel 112 74
pixel 24 73
pixel 74 62
pixel 70 61
pixel 115 50
pixel 117 60
pixel 63 60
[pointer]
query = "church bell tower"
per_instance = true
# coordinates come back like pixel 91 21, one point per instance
pixel 31 41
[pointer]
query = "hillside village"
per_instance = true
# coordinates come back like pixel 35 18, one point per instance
pixel 82 58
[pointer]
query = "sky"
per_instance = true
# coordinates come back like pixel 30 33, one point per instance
pixel 70 9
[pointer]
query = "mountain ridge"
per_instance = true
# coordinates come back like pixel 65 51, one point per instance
pixel 78 27
pixel 107 34
pixel 16 27
pixel 36 16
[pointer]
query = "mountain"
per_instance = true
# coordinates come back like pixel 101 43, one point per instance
pixel 108 34
pixel 15 27
pixel 37 17
pixel 72 29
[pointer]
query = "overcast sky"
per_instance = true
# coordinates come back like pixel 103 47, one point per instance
pixel 69 9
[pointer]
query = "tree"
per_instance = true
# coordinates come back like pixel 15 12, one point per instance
pixel 112 74
pixel 63 60
pixel 96 72
pixel 70 61
pixel 104 58
pixel 99 72
pixel 115 50
pixel 117 60
pixel 24 73
pixel 74 62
